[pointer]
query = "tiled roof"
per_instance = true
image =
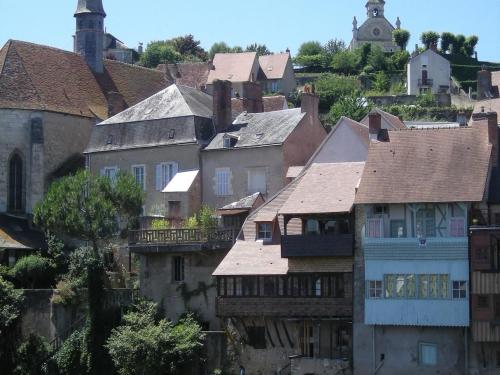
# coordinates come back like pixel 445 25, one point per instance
pixel 273 66
pixel 271 103
pixel 244 203
pixel 489 105
pixel 309 195
pixel 15 233
pixel 436 165
pixel 234 67
pixel 260 129
pixel 394 121
pixel 174 101
pixel 495 79
pixel 187 74
pixel 294 171
pixel 45 78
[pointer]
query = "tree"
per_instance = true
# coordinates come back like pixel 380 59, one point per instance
pixel 147 345
pixel 219 47
pixel 159 52
pixel 33 272
pixel 352 106
pixel 261 49
pixel 332 87
pixel 30 356
pixel 310 48
pixel 332 48
pixel 429 38
pixel 381 83
pixel 88 208
pixel 470 45
pixel 311 56
pixel 447 40
pixel 401 38
pixel 377 59
pixel 345 62
pixel 188 48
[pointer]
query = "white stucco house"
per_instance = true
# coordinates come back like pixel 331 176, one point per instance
pixel 428 72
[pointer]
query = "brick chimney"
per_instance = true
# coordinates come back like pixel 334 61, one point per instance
pixel 484 85
pixel 491 120
pixel 252 97
pixel 309 104
pixel 222 114
pixel 374 125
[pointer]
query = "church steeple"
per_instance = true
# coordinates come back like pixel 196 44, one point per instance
pixel 90 33
pixel 375 8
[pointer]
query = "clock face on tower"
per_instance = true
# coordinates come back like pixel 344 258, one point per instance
pixel 375 12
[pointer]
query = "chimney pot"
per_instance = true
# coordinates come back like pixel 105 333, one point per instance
pixel 252 97
pixel 374 125
pixel 309 104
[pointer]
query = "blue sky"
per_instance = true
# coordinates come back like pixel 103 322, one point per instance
pixel 277 23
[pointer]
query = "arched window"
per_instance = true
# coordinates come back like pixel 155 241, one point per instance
pixel 16 184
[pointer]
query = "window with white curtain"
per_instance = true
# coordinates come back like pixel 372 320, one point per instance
pixel 257 181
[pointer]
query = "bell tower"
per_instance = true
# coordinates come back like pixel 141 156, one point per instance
pixel 375 8
pixel 89 35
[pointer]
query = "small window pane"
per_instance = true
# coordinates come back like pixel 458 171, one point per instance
pixel 428 354
pixel 390 281
pixel 264 231
pixel 400 286
pixel 444 286
pixel 459 289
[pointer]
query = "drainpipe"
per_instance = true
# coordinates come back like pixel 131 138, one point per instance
pixel 374 353
pixel 466 343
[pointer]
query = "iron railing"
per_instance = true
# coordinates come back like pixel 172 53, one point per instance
pixel 181 236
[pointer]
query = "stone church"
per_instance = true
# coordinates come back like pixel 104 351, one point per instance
pixel 50 100
pixel 376 30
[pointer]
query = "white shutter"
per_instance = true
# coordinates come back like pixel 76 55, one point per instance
pixel 175 169
pixel 159 178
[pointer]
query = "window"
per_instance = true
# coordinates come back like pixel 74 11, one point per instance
pixel 164 174
pixel 110 172
pixel 426 222
pixel 178 268
pixel 312 227
pixel 257 337
pixel 238 286
pixel 317 288
pixel 411 286
pixel 374 228
pixel 483 302
pixel 139 173
pixel 497 362
pixel 428 354
pixel 398 229
pixel 257 181
pixel 416 286
pixel 381 209
pixel 459 289
pixel 222 177
pixel 264 231
pixel 227 142
pixel 16 184
pixel 275 86
pixel 390 281
pixel 457 227
pixel 374 289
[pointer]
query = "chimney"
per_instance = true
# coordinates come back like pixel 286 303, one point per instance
pixel 462 118
pixel 116 104
pixel 484 85
pixel 140 49
pixel 374 125
pixel 491 120
pixel 309 104
pixel 222 114
pixel 252 97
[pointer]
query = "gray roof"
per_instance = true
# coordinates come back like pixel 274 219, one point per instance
pixel 174 101
pixel 260 129
pixel 90 6
pixel 245 203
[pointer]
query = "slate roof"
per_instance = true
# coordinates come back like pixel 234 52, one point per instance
pixel 174 101
pixel 309 195
pixel 435 165
pixel 187 74
pixel 38 77
pixel 260 129
pixel 244 203
pixel 234 67
pixel 394 121
pixel 273 66
pixel 271 104
pixel 90 6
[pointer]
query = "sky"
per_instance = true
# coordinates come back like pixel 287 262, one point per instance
pixel 280 24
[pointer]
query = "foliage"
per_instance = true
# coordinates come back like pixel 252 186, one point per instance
pixel 345 62
pixel 191 222
pixel 188 48
pixel 381 83
pixel 353 107
pixel 401 38
pixel 222 47
pixel 310 48
pixel 458 44
pixel 147 345
pixel 470 45
pixel 447 41
pixel 207 217
pixel 159 52
pixel 332 87
pixel 377 59
pixel 33 271
pixel 426 100
pixel 332 48
pixel 260 49
pixel 399 60
pixel 30 356
pixel 187 294
pixel 10 304
pixel 159 224
pixel 310 55
pixel 72 357
pixel 56 252
pixel 429 38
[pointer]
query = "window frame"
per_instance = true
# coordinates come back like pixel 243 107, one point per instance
pixel 270 231
pixel 375 286
pixel 178 269
pixel 421 345
pixel 223 182
pixel 170 167
pixel 136 167
pixel 459 289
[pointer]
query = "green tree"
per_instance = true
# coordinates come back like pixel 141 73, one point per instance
pixel 311 56
pixel 332 87
pixel 188 48
pixel 332 48
pixel 30 356
pixel 429 38
pixel 399 59
pixel 458 44
pixel 147 345
pixel 352 106
pixel 470 45
pixel 33 272
pixel 89 208
pixel 381 83
pixel 219 47
pixel 447 40
pixel 364 54
pixel 310 48
pixel 401 38
pixel 159 52
pixel 260 49
pixel 378 59
pixel 345 62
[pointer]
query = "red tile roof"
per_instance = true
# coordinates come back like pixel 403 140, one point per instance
pixel 273 66
pixel 427 166
pixel 187 74
pixel 394 121
pixel 234 67
pixel 45 78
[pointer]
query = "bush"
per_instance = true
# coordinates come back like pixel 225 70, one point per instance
pixel 72 357
pixel 10 304
pixel 34 272
pixel 332 87
pixel 160 224
pixel 31 355
pixel 353 107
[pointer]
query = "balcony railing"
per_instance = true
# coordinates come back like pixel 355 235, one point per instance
pixel 317 245
pixel 167 238
pixel 426 82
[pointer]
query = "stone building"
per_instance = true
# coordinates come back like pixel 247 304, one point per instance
pixel 49 102
pixel 419 191
pixel 376 30
pixel 276 74
pixel 428 72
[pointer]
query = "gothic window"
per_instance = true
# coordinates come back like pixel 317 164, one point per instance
pixel 16 183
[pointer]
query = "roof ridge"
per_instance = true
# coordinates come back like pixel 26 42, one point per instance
pixel 7 48
pixel 133 65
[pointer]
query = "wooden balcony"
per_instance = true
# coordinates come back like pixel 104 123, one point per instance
pixel 284 307
pixel 181 240
pixel 317 245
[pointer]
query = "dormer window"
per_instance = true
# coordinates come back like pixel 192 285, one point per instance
pixel 229 141
pixel 171 134
pixel 264 231
pixel 109 141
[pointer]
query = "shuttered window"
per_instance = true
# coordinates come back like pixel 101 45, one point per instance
pixel 164 174
pixel 257 181
pixel 222 177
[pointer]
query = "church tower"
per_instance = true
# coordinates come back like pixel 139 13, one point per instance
pixel 375 8
pixel 90 33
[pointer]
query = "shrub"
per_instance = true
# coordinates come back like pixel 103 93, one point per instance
pixel 332 87
pixel 353 107
pixel 10 304
pixel 159 224
pixel 33 271
pixel 72 357
pixel 30 356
